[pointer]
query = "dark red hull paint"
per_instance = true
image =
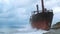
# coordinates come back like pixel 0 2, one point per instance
pixel 42 20
pixel 41 25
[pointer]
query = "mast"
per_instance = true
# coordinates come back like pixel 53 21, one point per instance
pixel 42 3
pixel 37 8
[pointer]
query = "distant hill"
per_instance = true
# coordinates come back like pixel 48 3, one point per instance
pixel 57 25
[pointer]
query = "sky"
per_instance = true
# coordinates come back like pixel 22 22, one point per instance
pixel 18 12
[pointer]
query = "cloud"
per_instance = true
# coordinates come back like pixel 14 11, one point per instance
pixel 9 5
pixel 56 9
pixel 7 10
pixel 21 13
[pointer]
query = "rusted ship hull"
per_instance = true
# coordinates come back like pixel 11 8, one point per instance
pixel 42 20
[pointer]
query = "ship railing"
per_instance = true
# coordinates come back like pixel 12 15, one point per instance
pixel 35 12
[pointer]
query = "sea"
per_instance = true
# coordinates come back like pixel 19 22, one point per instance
pixel 24 29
